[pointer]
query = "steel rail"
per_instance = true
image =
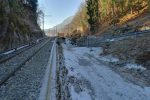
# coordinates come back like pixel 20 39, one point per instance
pixel 5 58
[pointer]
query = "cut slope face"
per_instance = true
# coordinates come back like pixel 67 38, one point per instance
pixel 18 24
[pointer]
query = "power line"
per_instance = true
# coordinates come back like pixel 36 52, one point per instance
pixel 43 16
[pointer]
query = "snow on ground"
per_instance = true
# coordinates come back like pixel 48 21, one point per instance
pixel 134 66
pixel 22 47
pixel 116 39
pixel 8 52
pixel 109 58
pixel 13 50
pixel 105 83
pixel 82 96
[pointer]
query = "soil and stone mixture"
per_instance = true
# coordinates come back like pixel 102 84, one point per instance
pixel 135 49
pixel 129 49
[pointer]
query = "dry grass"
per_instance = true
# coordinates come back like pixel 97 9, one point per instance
pixel 136 20
pixel 130 17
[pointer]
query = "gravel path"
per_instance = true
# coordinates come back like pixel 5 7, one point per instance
pixel 26 83
pixel 9 66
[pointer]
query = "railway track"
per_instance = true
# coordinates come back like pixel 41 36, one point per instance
pixel 8 66
pixel 5 56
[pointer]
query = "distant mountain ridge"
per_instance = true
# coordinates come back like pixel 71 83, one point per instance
pixel 60 27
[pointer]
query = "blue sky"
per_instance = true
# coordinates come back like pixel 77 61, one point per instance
pixel 58 10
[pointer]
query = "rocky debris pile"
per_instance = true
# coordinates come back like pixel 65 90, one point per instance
pixel 130 48
pixel 62 92
pixel 90 41
pixel 144 59
pixel 136 76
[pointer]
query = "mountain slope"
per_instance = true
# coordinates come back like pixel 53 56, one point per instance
pixel 60 27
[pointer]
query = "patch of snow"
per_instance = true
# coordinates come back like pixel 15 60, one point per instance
pixel 68 43
pixel 117 39
pixel 111 40
pixel 147 90
pixel 13 50
pixel 22 47
pixel 106 84
pixel 96 51
pixel 79 96
pixel 109 58
pixel 8 52
pixel 38 40
pixel 134 66
pixel 145 28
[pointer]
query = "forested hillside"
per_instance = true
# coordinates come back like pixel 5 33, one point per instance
pixel 18 22
pixel 98 16
pixel 112 11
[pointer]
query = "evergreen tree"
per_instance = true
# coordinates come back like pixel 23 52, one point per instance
pixel 34 5
pixel 93 13
pixel 31 4
pixel 149 5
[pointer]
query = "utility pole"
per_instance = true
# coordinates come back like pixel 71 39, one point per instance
pixel 56 30
pixel 43 18
pixel 68 30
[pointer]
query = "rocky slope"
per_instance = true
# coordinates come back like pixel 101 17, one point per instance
pixel 18 24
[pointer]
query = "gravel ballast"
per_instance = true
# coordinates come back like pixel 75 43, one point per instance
pixel 11 65
pixel 26 83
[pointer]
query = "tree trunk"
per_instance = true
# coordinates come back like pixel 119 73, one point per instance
pixel 131 10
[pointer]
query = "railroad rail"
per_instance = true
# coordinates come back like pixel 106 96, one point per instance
pixel 5 56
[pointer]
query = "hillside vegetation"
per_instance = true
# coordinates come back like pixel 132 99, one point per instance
pixel 114 18
pixel 18 22
pixel 99 16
